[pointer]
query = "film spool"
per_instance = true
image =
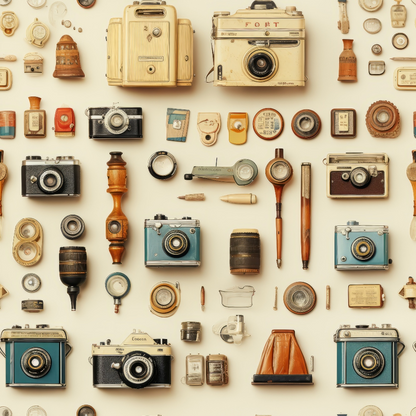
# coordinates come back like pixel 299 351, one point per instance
pixel 245 251
pixel 306 124
pixel 162 165
pixel 32 306
pixel 268 124
pixel 72 227
pixel 300 298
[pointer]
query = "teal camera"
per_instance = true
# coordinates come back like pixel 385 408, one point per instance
pixel 35 357
pixel 171 242
pixel 368 356
pixel 361 247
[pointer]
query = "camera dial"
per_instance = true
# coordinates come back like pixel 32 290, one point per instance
pixel 137 369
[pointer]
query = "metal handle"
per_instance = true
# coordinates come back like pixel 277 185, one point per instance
pixel 403 347
pixel 68 348
pixel 268 4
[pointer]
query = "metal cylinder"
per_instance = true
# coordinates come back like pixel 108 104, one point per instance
pixel 191 331
pixel 245 251
pixel 7 124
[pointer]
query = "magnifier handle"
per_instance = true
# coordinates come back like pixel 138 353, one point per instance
pixel 279 228
pixel 414 197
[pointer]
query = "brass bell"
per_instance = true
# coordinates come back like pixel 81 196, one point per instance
pixel 67 59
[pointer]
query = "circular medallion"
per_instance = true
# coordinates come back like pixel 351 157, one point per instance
pixel 268 124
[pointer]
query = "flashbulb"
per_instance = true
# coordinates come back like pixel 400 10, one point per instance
pixel 31 282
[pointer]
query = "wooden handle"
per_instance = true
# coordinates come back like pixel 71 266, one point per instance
pixel 414 197
pixel 279 228
pixel 305 231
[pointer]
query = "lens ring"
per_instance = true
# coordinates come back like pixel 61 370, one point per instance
pixel 36 362
pixel 114 227
pixel 86 410
pixel 368 362
pixel 26 251
pixel 306 124
pixel 280 170
pixel 117 285
pixel 72 227
pixel 261 64
pixel 134 361
pixel 175 243
pixel 31 282
pixel 166 309
pixel 162 165
pixel 122 124
pixel 363 248
pixel 50 181
pixel 300 298
pixel 28 229
pixel 360 177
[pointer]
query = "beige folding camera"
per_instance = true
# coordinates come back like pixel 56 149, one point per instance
pixel 259 46
pixel 150 47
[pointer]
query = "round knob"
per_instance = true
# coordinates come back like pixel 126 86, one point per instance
pixel 290 9
pixel 157 32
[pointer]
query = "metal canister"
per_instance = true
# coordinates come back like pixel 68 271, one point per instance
pixel 191 331
pixel 217 369
pixel 245 251
pixel 7 124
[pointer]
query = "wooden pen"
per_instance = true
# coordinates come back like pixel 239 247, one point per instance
pixel 305 213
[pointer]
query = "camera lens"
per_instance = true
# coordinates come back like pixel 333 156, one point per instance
pixel 31 282
pixel 114 227
pixel 116 121
pixel 117 285
pixel 50 181
pixel 137 369
pixel 280 170
pixel 300 298
pixel 261 65
pixel 245 172
pixel 175 243
pixel 5 411
pixel 36 362
pixel 72 227
pixel 27 251
pixel 368 362
pixel 363 248
pixel 360 177
pixel 27 230
pixel 86 410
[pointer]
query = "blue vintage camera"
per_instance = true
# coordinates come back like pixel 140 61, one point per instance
pixel 361 247
pixel 35 357
pixel 368 356
pixel 171 242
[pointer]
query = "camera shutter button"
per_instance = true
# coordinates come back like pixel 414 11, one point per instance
pixel 33 179
pixel 290 9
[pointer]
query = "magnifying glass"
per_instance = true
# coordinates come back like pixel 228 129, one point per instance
pixel 117 285
pixel 279 172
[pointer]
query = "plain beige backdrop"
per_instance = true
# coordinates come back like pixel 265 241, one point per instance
pixel 95 320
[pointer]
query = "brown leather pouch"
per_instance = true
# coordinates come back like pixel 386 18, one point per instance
pixel 282 361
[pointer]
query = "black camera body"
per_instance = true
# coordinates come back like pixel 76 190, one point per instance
pixel 139 362
pixel 51 177
pixel 115 122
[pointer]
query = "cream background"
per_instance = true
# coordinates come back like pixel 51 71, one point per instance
pixel 94 319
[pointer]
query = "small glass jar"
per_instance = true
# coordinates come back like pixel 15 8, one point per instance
pixel 191 331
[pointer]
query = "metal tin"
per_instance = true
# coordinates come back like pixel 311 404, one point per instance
pixel 7 124
pixel 191 331
pixel 32 306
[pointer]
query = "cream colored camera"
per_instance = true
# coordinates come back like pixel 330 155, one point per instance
pixel 259 46
pixel 150 47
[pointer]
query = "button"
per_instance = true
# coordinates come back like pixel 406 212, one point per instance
pixel 290 9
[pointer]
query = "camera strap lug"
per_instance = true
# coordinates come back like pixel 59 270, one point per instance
pixel 68 349
pixel 403 347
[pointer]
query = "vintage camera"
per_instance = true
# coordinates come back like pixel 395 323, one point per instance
pixel 114 122
pixel 150 47
pixel 368 356
pixel 138 362
pixel 171 242
pixel 259 46
pixel 357 175
pixel 64 122
pixel 361 247
pixel 35 357
pixel 51 177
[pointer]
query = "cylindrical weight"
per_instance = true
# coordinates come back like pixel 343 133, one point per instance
pixel 245 251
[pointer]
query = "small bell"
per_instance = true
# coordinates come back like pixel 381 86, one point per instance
pixel 67 59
